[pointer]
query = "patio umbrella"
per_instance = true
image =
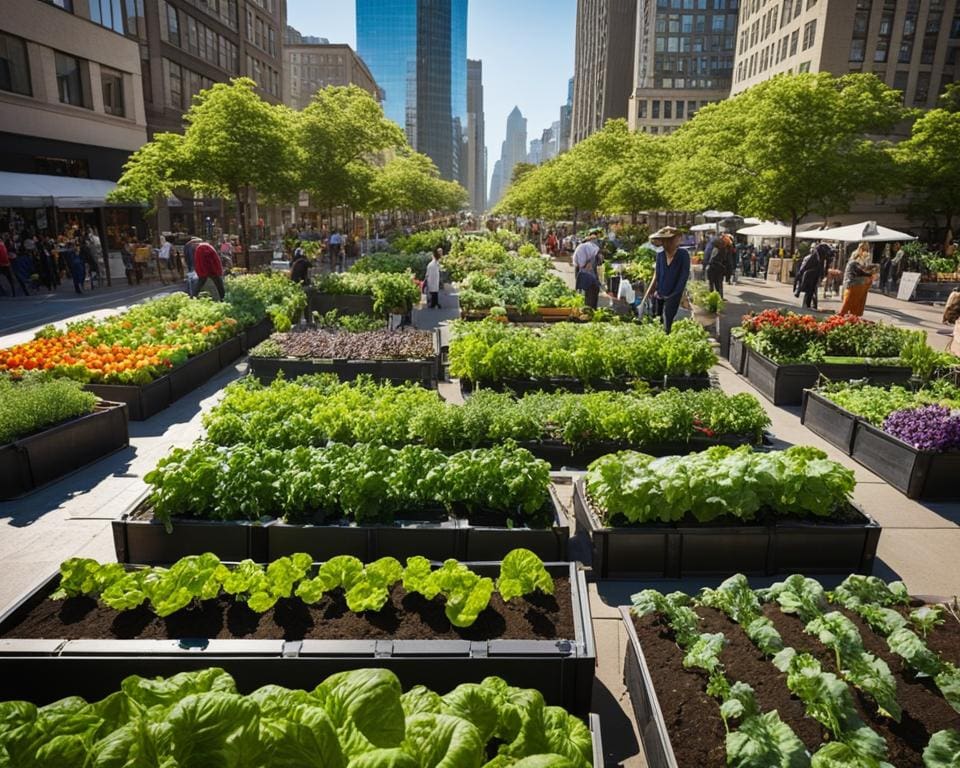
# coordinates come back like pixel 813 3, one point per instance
pixel 751 220
pixel 766 229
pixel 703 227
pixel 711 214
pixel 868 231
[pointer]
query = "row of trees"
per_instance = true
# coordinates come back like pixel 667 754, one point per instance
pixel 340 149
pixel 790 147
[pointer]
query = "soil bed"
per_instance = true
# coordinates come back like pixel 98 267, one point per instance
pixel 404 617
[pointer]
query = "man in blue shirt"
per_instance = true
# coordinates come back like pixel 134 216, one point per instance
pixel 670 273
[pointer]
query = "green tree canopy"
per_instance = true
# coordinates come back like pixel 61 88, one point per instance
pixel 411 182
pixel 153 172
pixel 930 165
pixel 632 182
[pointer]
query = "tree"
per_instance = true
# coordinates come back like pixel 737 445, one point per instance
pixel 787 147
pixel 633 183
pixel 236 143
pixel 520 170
pixel 153 172
pixel 411 182
pixel 930 165
pixel 339 136
pixel 950 98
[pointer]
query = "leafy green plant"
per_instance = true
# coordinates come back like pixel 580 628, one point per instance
pixel 37 402
pixel 521 573
pixel 391 292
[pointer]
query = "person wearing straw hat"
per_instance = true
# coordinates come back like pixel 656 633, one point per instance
pixel 586 260
pixel 670 273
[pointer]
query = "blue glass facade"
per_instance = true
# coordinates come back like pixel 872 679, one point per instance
pixel 417 53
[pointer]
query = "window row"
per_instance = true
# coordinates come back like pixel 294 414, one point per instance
pixel 125 17
pixel 223 10
pixel 181 85
pixel 684 44
pixel 666 109
pixel 693 65
pixel 260 33
pixel 689 23
pixel 316 58
pixel 265 76
pixel 700 5
pixel 185 32
pixel 74 85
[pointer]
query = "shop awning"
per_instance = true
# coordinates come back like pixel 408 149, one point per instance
pixel 34 190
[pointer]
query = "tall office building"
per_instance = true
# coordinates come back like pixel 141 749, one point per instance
pixel 566 120
pixel 535 155
pixel 912 45
pixel 476 152
pixel 514 145
pixel 683 61
pixel 417 52
pixel 292 36
pixel 308 67
pixel 604 53
pixel 496 184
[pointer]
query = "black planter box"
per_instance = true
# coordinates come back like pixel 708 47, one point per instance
pixel 256 333
pixel 918 474
pixel 657 748
pixel 676 551
pixel 737 354
pixel 833 423
pixel 569 384
pixel 32 461
pixel 141 540
pixel 149 399
pixel 560 454
pixel 437 539
pixel 344 303
pixel 43 671
pixel 784 384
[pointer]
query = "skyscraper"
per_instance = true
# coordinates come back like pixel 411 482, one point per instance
pixel 604 54
pixel 535 155
pixel 566 120
pixel 476 154
pixel 496 186
pixel 682 62
pixel 417 53
pixel 512 151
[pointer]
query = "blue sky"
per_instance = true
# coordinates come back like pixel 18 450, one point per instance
pixel 526 47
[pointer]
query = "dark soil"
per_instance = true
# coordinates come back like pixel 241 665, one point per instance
pixel 924 710
pixel 945 639
pixel 404 617
pixel 691 716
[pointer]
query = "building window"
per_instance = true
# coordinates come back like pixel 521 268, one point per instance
pixel 880 54
pixel 906 51
pixel 69 80
pixel 900 79
pixel 14 66
pixel 668 110
pixel 809 34
pixel 174 85
pixel 691 109
pixel 112 83
pixel 856 50
pixel 170 31
pixel 642 109
pixel 804 67
pixel 107 13
pixel 655 105
pixel 680 106
pixel 135 20
pixel 923 88
pixel 793 41
pixel 61 166
pixel 67 5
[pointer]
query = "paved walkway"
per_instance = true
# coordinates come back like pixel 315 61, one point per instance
pixel 919 544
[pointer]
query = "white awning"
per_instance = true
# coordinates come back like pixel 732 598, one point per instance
pixel 34 190
pixel 703 228
pixel 766 229
pixel 868 231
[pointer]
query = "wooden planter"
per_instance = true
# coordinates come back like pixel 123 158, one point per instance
pixel 33 461
pixel 833 423
pixel 561 669
pixel 737 353
pixel 344 303
pixel 569 384
pixel 673 550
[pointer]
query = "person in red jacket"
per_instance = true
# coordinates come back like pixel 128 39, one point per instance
pixel 207 264
pixel 7 271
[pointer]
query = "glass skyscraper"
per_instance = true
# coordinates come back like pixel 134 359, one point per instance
pixel 417 52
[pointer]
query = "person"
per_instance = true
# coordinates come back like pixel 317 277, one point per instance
pixel 300 266
pixel 857 278
pixel 189 255
pixel 336 241
pixel 586 260
pixel 886 267
pixel 808 275
pixel 763 259
pixel 432 281
pixel 75 263
pixel 207 264
pixel 715 263
pixel 671 270
pixel 226 250
pixel 730 252
pixel 553 245
pixel 7 271
pixel 897 263
pixel 90 261
pixel 752 255
pixel 163 255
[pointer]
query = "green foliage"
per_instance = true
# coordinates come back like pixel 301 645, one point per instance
pixel 355 717
pixel 521 573
pixel 943 750
pixel 874 404
pixel 366 483
pixel 709 301
pixel 391 292
pixel 490 351
pixel 411 182
pixel 720 482
pixel 37 402
pixel 398 263
pixel 254 297
pixel 929 161
pixel 425 242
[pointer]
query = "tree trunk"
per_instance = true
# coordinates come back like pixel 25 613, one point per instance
pixel 633 218
pixel 242 217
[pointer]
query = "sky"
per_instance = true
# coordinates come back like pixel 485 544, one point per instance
pixel 526 47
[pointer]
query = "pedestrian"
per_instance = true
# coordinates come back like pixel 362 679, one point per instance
pixel 857 278
pixel 226 250
pixel 207 264
pixel 886 267
pixel 730 252
pixel 896 264
pixel 586 260
pixel 189 255
pixel 7 271
pixel 75 263
pixel 671 271
pixel 300 266
pixel 715 263
pixel 164 256
pixel 432 281
pixel 553 245
pixel 808 275
pixel 90 262
pixel 334 245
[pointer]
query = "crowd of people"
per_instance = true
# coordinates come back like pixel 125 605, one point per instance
pixel 34 261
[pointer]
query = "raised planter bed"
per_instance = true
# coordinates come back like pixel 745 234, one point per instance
pixel 344 303
pixel 439 538
pixel 918 474
pixel 569 384
pixel 784 384
pixel 144 401
pixel 737 354
pixel 32 461
pixel 514 315
pixel 676 550
pixel 44 670
pixel 256 333
pixel 833 423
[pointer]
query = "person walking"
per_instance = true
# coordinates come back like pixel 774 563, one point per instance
pixel 715 263
pixel 7 271
pixel 586 260
pixel 75 263
pixel 207 264
pixel 164 255
pixel 553 245
pixel 671 270
pixel 300 266
pixel 334 246
pixel 809 274
pixel 432 281
pixel 857 278
pixel 90 262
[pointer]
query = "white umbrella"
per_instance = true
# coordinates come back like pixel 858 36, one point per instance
pixel 766 229
pixel 751 220
pixel 711 214
pixel 703 227
pixel 868 231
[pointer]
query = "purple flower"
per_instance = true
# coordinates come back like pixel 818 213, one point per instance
pixel 931 428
